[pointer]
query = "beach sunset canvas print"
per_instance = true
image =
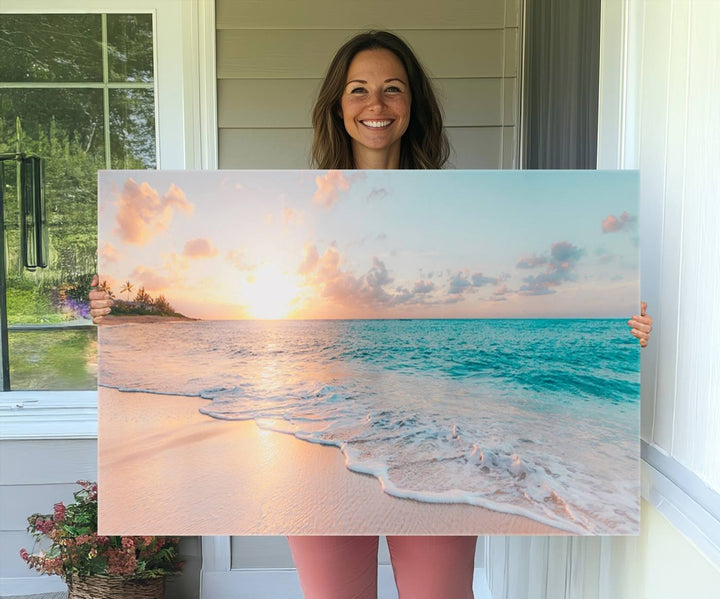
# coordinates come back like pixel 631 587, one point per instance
pixel 369 352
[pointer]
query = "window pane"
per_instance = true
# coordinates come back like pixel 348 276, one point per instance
pixel 50 48
pixel 132 128
pixel 53 360
pixel 65 127
pixel 52 344
pixel 49 117
pixel 130 47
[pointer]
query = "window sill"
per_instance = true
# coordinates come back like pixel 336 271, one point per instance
pixel 48 415
pixel 688 504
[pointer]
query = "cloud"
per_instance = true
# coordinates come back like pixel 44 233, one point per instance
pixel 604 256
pixel 531 261
pixel 478 280
pixel 560 268
pixel 310 260
pixel 108 253
pixel 370 290
pixel 175 263
pixel 459 283
pixel 151 279
pixel 199 248
pixel 378 275
pixel 462 282
pixel 502 290
pixel 613 224
pixel 329 187
pixel 237 259
pixel 143 214
pixel 377 193
pixel 289 216
pixel 423 287
pixel 564 255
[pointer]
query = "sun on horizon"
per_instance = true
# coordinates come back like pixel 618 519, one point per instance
pixel 270 293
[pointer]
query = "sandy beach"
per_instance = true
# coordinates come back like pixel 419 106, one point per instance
pixel 166 469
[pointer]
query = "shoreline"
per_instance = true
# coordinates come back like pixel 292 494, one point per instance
pixel 166 469
pixel 117 319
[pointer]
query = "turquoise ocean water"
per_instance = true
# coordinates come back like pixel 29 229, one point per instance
pixel 533 417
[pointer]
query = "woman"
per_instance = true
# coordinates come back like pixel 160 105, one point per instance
pixel 377 110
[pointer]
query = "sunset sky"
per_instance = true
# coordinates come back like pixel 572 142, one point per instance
pixel 374 244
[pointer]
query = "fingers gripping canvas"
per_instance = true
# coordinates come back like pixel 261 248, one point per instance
pixel 375 352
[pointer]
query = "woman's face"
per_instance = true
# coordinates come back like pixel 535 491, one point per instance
pixel 375 104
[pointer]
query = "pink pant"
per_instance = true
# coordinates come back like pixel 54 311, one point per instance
pixel 346 567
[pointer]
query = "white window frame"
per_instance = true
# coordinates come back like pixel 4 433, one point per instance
pixel 186 130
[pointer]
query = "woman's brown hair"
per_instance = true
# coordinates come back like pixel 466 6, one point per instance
pixel 424 144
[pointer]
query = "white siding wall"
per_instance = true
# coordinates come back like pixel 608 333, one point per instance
pixel 272 56
pixel 678 132
pixel 35 475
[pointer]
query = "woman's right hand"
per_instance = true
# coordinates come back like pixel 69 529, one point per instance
pixel 100 302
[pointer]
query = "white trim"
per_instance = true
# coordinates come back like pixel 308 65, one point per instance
pixel 48 415
pixel 686 514
pixel 216 552
pixel 520 91
pixel 201 86
pixel 611 84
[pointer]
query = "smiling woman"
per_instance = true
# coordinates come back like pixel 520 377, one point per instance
pixel 270 293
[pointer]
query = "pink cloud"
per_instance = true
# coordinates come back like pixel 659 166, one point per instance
pixel 238 259
pixel 329 187
pixel 108 253
pixel 151 279
pixel 289 216
pixel 142 213
pixel 502 290
pixel 613 224
pixel 199 248
pixel 310 260
pixel 531 261
pixel 369 291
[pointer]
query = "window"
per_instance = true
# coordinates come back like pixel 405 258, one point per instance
pixel 77 90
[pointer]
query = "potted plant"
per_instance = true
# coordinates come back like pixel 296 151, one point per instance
pixel 96 566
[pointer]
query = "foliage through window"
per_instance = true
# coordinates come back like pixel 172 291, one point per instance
pixel 79 91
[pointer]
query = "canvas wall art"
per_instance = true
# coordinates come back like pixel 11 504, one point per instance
pixel 369 352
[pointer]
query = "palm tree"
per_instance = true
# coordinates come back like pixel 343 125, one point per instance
pixel 105 286
pixel 127 288
pixel 143 297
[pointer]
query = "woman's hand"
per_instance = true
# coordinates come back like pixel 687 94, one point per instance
pixel 641 325
pixel 100 302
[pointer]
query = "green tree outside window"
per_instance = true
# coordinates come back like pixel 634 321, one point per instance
pixel 78 90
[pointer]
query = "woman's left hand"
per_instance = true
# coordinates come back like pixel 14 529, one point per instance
pixel 641 325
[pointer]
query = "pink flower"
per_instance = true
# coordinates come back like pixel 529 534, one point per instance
pixel 121 562
pixel 59 509
pixel 128 543
pixel 44 526
pixel 24 554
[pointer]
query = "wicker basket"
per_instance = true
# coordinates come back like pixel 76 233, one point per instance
pixel 116 587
